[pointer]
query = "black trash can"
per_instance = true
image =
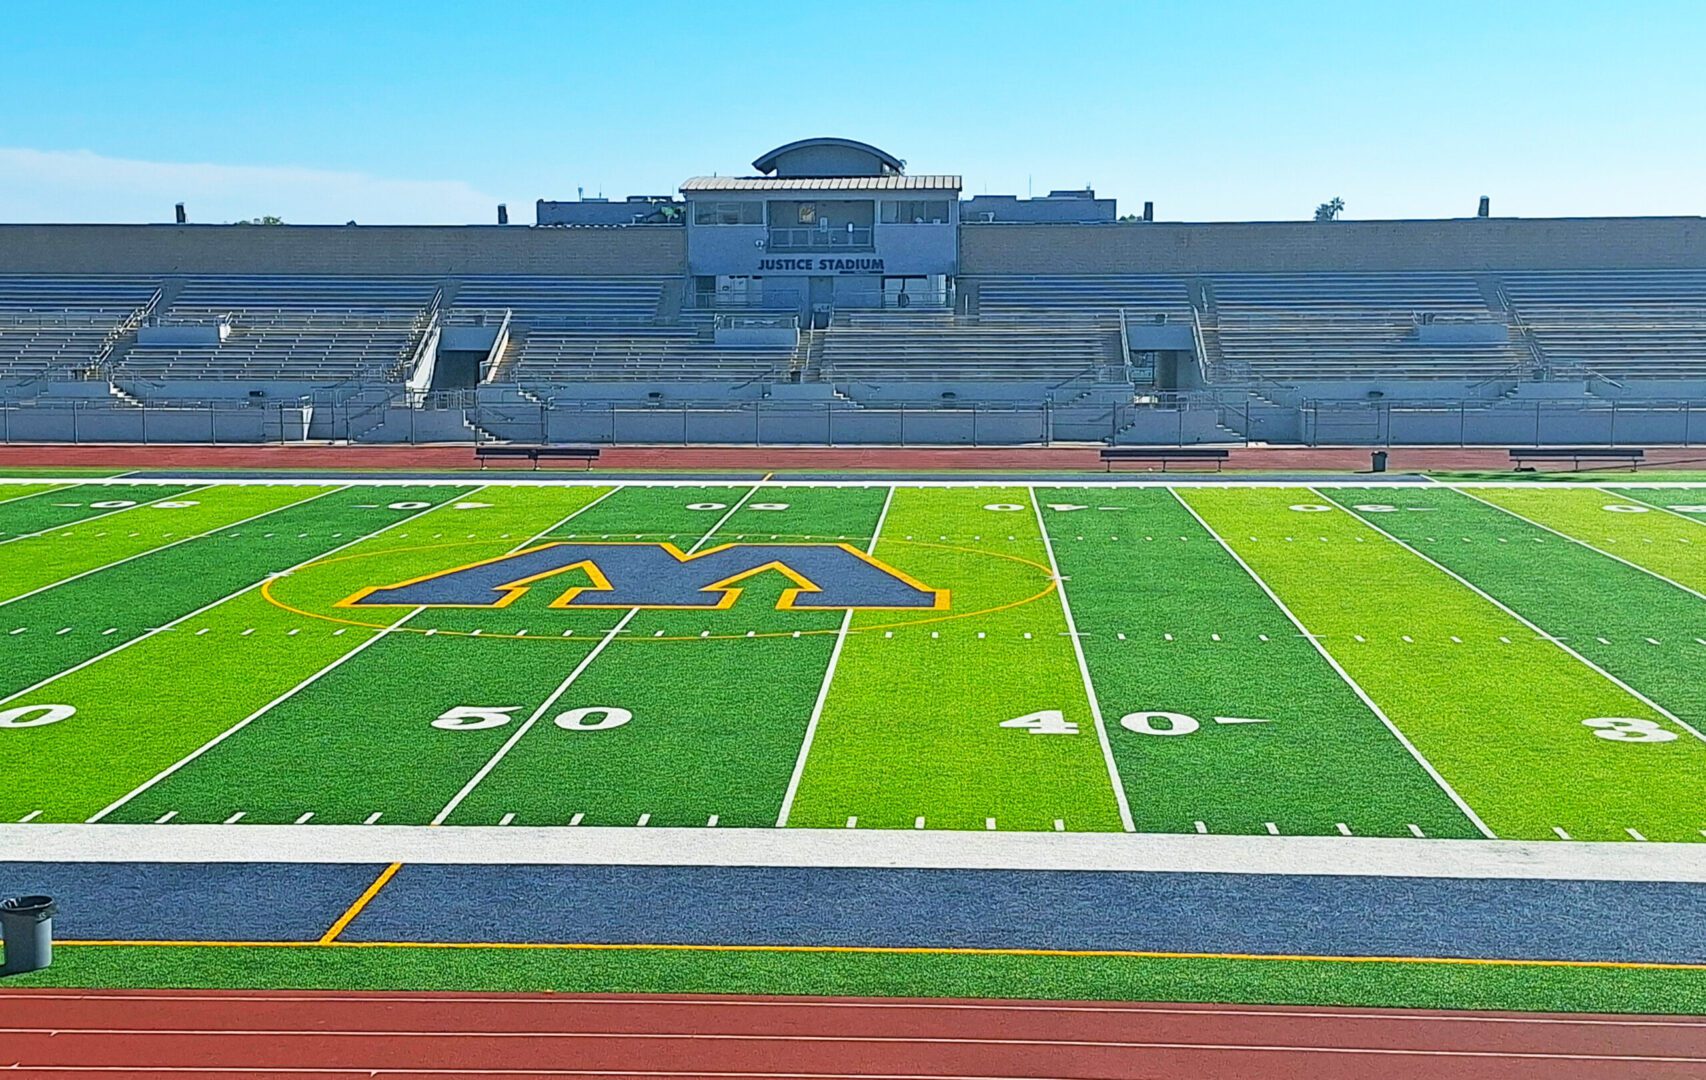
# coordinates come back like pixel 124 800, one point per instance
pixel 1377 461
pixel 26 926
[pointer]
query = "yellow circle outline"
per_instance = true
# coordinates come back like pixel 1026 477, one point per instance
pixel 266 592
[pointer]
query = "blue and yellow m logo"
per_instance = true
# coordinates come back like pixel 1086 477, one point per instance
pixel 824 576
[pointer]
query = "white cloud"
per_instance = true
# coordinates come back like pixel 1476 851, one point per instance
pixel 80 186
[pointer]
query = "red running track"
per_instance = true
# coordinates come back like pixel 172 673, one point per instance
pixel 248 1034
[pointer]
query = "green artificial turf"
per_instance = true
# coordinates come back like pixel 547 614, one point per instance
pixel 1497 710
pixel 1266 982
pixel 1166 613
pixel 326 719
pixel 912 724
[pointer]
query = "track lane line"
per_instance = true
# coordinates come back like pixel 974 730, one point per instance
pixel 428 997
pixel 791 1037
pixel 1114 779
pixel 1380 713
pixel 828 676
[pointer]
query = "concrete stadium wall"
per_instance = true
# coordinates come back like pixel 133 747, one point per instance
pixel 440 251
pixel 1157 247
pixel 1230 247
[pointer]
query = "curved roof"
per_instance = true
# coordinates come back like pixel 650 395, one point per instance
pixel 767 162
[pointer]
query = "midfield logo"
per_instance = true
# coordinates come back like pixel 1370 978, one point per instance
pixel 637 575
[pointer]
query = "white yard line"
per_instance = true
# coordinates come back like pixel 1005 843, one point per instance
pixel 180 620
pixel 563 687
pixel 304 684
pixel 1380 713
pixel 1663 507
pixel 97 517
pixel 828 677
pixel 1553 638
pixel 487 844
pixel 251 718
pixel 164 547
pixel 1584 543
pixel 49 490
pixel 1084 671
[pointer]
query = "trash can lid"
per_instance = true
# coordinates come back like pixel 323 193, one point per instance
pixel 38 906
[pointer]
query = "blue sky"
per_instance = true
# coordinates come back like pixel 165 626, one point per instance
pixel 394 111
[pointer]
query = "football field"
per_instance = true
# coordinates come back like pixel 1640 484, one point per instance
pixel 1405 660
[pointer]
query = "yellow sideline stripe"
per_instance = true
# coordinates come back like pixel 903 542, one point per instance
pixel 361 901
pixel 1126 954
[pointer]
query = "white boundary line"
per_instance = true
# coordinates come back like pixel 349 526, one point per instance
pixel 1474 818
pixel 1577 540
pixel 1213 853
pixel 563 687
pixel 828 677
pixel 1084 671
pixel 164 547
pixel 304 684
pixel 1553 638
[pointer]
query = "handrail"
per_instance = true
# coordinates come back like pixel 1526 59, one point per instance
pixel 1125 347
pixel 1200 340
pixel 500 344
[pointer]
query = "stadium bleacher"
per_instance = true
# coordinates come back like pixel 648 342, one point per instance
pixel 543 301
pixel 61 325
pixel 933 350
pixel 553 356
pixel 1622 324
pixel 1022 298
pixel 1289 327
pixel 291 328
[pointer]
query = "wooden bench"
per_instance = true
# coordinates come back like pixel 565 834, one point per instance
pixel 487 451
pixel 1164 454
pixel 1577 454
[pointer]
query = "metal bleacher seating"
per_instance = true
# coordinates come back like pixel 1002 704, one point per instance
pixel 62 325
pixel 558 301
pixel 1289 327
pixel 573 330
pixel 1030 298
pixel 292 328
pixel 1037 328
pixel 934 350
pixel 658 354
pixel 1622 324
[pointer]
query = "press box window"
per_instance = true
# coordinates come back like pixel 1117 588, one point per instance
pixel 728 213
pixel 915 211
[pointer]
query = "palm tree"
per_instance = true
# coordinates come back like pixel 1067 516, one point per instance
pixel 1330 211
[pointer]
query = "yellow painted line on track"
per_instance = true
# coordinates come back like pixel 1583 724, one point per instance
pixel 1120 954
pixel 384 878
